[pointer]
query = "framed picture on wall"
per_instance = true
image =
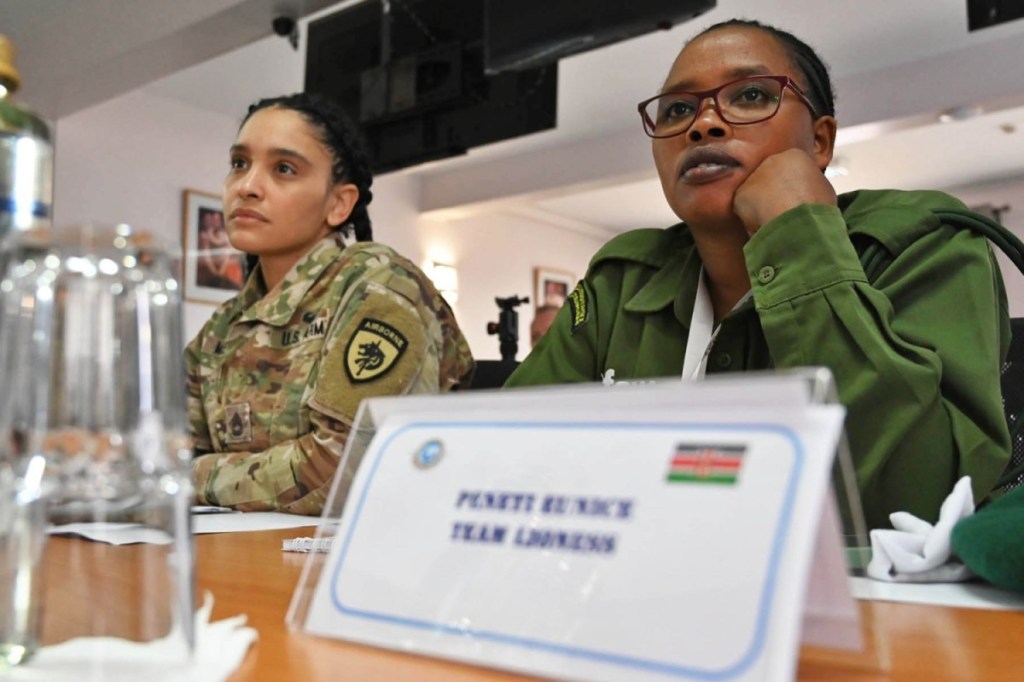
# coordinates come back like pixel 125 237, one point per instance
pixel 214 270
pixel 551 287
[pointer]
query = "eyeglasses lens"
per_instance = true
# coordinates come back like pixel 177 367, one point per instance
pixel 745 101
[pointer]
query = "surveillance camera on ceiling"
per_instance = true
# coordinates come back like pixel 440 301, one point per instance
pixel 286 27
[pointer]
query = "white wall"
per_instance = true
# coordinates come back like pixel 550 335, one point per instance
pixel 495 254
pixel 130 159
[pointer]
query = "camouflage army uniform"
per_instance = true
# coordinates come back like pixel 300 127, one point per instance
pixel 274 383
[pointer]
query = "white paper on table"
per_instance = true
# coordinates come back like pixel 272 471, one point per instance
pixel 250 521
pixel 114 533
pixel 968 595
pixel 708 612
pixel 134 533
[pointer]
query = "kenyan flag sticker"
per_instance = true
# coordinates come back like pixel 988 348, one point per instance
pixel 706 464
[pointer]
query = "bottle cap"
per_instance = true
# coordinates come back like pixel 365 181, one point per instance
pixel 8 72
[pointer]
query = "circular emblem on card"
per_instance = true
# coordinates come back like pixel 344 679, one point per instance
pixel 428 455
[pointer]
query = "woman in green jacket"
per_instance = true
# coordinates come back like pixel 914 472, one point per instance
pixel 765 272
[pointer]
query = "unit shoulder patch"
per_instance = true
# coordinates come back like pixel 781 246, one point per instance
pixel 373 350
pixel 579 306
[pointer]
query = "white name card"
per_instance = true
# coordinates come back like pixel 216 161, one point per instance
pixel 597 544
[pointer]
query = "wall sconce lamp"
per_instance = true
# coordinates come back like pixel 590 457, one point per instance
pixel 446 279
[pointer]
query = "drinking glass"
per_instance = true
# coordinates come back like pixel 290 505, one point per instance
pixel 22 538
pixel 92 431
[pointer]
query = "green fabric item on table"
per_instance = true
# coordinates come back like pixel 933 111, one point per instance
pixel 991 542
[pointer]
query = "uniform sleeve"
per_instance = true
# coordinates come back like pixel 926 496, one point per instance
pixel 385 340
pixel 567 351
pixel 293 476
pixel 199 429
pixel 916 355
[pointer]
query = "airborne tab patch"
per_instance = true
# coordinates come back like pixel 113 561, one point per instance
pixel 373 350
pixel 578 306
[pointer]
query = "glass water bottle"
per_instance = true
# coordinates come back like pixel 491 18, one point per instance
pixel 26 155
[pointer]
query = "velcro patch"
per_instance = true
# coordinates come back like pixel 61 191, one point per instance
pixel 238 424
pixel 379 350
pixel 579 306
pixel 373 350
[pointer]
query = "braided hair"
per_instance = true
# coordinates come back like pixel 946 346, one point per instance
pixel 811 66
pixel 351 162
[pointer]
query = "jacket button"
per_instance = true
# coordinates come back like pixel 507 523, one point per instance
pixel 723 360
pixel 766 274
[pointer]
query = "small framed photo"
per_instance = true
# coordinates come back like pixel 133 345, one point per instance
pixel 214 270
pixel 551 287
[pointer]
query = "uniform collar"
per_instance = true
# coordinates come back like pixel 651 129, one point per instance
pixel 278 309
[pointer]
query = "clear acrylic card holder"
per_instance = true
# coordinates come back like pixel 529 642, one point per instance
pixel 829 617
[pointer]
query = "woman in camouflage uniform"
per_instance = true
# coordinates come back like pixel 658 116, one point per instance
pixel 275 376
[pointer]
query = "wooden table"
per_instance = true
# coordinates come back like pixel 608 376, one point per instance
pixel 248 573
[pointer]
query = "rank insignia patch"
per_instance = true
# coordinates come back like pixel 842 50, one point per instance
pixel 373 350
pixel 238 423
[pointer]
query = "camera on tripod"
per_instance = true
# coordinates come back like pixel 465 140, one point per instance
pixel 507 326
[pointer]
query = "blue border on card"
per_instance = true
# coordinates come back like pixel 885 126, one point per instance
pixel 764 610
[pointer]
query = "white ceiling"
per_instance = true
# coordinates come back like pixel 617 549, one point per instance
pixel 896 64
pixel 76 53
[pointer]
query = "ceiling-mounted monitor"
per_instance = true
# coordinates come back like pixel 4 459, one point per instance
pixel 984 13
pixel 413 77
pixel 525 34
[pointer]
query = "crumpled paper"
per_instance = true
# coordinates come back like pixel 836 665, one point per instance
pixel 917 551
pixel 219 649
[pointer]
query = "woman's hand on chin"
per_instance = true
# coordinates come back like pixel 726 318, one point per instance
pixel 782 181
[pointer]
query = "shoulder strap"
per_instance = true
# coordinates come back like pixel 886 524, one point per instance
pixel 1007 241
pixel 875 259
pixel 1009 244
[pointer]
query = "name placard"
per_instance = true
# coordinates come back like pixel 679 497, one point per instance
pixel 598 544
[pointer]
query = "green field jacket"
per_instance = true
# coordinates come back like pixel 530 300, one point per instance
pixel 916 354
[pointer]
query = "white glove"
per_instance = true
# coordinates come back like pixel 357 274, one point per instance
pixel 918 552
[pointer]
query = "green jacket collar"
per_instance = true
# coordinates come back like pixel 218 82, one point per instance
pixel 671 252
pixel 673 284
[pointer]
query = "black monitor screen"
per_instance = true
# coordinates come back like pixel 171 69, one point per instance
pixel 415 80
pixel 527 33
pixel 984 13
